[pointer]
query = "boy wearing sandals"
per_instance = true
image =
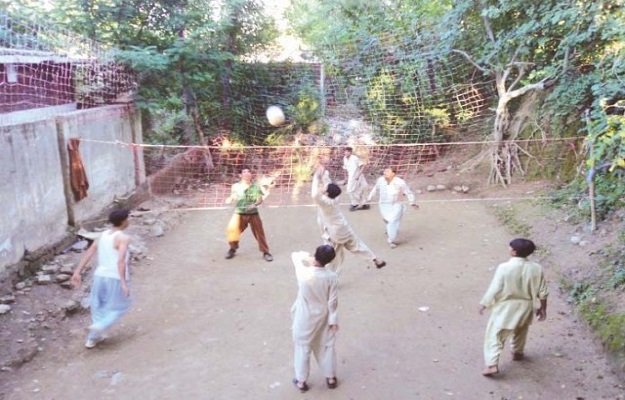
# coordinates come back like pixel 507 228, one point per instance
pixel 315 315
pixel 515 288
pixel 110 291
pixel 336 229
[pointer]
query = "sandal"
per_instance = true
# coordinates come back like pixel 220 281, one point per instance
pixel 332 383
pixel 303 388
pixel 379 263
pixel 490 370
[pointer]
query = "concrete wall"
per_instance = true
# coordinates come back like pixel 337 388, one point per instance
pixel 32 197
pixel 37 203
pixel 110 166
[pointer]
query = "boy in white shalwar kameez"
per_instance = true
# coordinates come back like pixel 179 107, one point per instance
pixel 391 188
pixel 356 181
pixel 337 230
pixel 516 286
pixel 314 313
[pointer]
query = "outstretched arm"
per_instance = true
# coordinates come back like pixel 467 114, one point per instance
pixel 76 279
pixel 409 193
pixel 373 191
pixel 316 189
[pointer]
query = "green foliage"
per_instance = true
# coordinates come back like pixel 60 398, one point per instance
pixel 507 215
pixel 609 327
pixel 183 51
pixel 380 44
pixel 581 292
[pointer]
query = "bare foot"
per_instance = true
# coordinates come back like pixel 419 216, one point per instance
pixel 490 370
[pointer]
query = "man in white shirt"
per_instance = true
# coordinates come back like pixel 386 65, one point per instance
pixel 314 312
pixel 516 286
pixel 392 188
pixel 337 230
pixel 356 182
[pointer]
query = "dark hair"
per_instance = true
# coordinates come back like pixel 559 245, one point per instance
pixel 333 190
pixel 522 247
pixel 324 254
pixel 118 217
pixel 245 167
pixel 349 149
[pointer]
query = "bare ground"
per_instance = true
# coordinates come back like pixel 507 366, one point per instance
pixel 207 328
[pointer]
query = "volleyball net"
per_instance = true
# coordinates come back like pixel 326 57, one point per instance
pixel 202 176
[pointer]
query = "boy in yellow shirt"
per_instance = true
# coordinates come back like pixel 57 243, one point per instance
pixel 516 286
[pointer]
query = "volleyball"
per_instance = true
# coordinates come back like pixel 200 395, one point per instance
pixel 275 116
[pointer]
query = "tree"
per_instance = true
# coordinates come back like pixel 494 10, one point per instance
pixel 525 46
pixel 183 52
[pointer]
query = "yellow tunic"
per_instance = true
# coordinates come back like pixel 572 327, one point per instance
pixel 516 285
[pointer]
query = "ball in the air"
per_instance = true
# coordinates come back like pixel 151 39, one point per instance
pixel 275 116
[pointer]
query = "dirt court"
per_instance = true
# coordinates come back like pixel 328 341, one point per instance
pixel 203 327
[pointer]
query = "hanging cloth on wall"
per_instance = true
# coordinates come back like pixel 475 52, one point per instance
pixel 77 175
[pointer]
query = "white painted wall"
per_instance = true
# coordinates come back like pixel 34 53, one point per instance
pixel 34 209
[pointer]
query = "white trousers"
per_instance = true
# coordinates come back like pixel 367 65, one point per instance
pixel 495 339
pixel 353 245
pixel 392 214
pixel 356 189
pixel 324 353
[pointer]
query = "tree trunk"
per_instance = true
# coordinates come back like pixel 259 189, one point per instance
pixel 499 173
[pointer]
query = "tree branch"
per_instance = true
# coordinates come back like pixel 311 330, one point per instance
pixel 521 70
pixel 506 73
pixel 528 88
pixel 489 29
pixel 468 57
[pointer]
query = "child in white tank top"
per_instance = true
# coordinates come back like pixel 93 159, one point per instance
pixel 110 293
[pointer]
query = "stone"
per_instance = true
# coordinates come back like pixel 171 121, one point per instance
pixel 418 191
pixel 62 278
pixel 80 246
pixel 85 303
pixel 457 188
pixel 431 188
pixel 575 239
pixel 66 269
pixel 20 285
pixel 157 231
pixel 43 279
pixel 88 235
pixel 4 308
pixel 583 243
pixel 66 285
pixel 50 269
pixel 465 189
pixel 8 299
pixel 71 306
pixel 137 250
pixel 441 187
pixel 117 378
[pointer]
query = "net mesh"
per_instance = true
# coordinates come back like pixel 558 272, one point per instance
pixel 396 102
pixel 43 66
pixel 201 176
